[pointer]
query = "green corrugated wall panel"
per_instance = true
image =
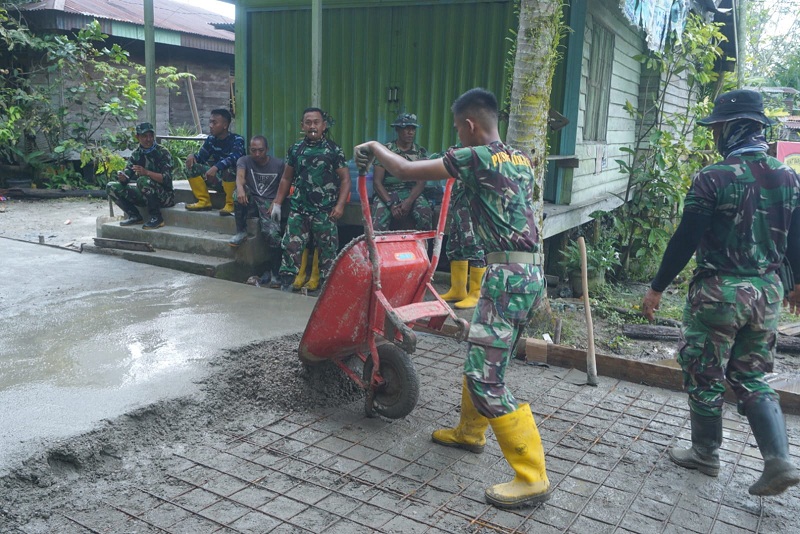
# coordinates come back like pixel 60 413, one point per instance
pixel 424 50
pixel 278 88
pixel 134 31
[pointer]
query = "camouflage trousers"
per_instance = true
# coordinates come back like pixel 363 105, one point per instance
pixel 198 169
pixel 510 293
pixel 462 242
pixel 421 211
pixel 137 193
pixel 257 207
pixel 730 331
pixel 299 228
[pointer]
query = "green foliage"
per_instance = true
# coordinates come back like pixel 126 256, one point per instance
pixel 180 149
pixel 669 150
pixel 97 89
pixel 601 256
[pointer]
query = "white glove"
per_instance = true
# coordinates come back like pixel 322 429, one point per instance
pixel 276 213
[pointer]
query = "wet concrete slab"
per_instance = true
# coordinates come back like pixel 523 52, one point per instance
pixel 85 337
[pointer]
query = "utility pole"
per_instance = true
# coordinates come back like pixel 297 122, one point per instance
pixel 316 52
pixel 740 18
pixel 150 62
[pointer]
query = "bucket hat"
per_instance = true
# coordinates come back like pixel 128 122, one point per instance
pixel 144 128
pixel 739 104
pixel 406 119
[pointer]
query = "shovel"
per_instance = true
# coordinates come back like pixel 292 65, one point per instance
pixel 591 365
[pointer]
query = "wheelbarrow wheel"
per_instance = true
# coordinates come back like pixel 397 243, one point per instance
pixel 399 394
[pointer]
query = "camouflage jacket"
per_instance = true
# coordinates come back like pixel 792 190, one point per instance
pixel 415 153
pixel 158 159
pixel 498 184
pixel 221 153
pixel 316 184
pixel 750 199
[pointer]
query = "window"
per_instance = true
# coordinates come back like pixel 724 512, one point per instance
pixel 598 84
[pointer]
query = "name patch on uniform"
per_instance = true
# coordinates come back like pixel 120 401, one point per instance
pixel 516 159
pixel 404 256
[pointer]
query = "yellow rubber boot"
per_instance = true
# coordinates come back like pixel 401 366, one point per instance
pixel 200 192
pixel 313 280
pixel 229 188
pixel 521 444
pixel 470 434
pixel 475 278
pixel 458 281
pixel 300 279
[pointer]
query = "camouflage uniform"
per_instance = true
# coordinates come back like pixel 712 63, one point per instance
pixel 498 183
pixel 462 242
pixel 316 192
pixel 400 190
pixel 138 188
pixel 734 299
pixel 222 153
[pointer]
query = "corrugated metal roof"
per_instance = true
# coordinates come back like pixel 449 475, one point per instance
pixel 168 15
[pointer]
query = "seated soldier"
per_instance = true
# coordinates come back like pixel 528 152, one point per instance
pixel 214 163
pixel 396 199
pixel 146 181
pixel 257 179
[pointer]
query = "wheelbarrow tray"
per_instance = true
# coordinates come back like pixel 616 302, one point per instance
pixel 340 323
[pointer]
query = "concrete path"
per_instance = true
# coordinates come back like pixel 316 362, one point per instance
pixel 335 471
pixel 85 337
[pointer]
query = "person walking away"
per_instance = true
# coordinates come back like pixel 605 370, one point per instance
pixel 741 218
pixel 498 181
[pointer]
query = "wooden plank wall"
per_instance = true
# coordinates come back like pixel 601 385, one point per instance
pixel 587 184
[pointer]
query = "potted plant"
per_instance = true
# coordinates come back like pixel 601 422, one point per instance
pixel 601 257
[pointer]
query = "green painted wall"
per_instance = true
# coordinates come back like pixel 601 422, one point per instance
pixel 431 52
pixel 134 31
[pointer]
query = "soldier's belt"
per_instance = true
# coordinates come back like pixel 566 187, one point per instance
pixel 533 258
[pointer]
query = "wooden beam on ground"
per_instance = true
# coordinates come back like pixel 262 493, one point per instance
pixel 123 244
pixel 786 344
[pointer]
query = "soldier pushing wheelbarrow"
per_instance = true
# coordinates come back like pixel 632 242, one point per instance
pixel 499 183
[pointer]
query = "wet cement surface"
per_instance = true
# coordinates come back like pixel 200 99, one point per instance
pixel 85 337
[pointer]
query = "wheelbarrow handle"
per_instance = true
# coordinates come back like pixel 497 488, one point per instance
pixel 369 232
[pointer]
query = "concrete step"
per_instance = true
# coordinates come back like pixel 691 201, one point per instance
pixel 215 267
pixel 190 240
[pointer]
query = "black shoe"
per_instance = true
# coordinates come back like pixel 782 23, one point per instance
pixel 153 223
pixel 276 281
pixel 286 282
pixel 131 220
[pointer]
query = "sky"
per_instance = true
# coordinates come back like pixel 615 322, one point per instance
pixel 223 8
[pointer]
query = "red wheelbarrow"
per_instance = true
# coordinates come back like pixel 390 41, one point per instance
pixel 373 296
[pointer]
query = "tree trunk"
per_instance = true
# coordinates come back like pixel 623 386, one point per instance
pixel 538 35
pixel 540 27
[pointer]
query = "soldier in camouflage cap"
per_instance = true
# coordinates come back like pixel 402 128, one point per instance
pixel 741 218
pixel 146 181
pixel 498 181
pixel 394 198
pixel 317 168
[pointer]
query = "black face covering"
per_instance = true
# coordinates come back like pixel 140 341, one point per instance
pixel 741 136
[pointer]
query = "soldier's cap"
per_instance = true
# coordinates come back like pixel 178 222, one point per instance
pixel 144 128
pixel 406 119
pixel 738 104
